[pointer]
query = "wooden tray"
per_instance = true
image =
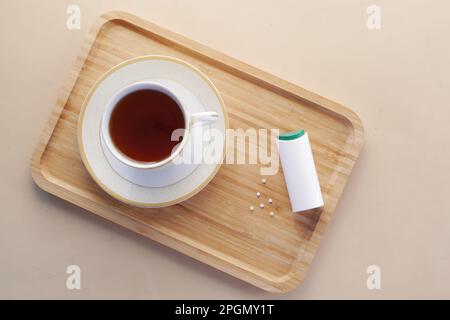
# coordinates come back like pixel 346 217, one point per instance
pixel 215 226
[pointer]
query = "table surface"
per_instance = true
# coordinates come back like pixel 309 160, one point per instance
pixel 392 213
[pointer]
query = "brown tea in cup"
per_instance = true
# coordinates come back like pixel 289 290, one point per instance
pixel 142 123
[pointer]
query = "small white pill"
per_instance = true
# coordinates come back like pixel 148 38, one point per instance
pixel 272 214
pixel 264 180
pixel 252 208
pixel 261 205
pixel 258 194
pixel 270 201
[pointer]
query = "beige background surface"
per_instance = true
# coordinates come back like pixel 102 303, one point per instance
pixel 393 213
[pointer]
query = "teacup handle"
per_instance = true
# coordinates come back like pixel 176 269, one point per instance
pixel 203 117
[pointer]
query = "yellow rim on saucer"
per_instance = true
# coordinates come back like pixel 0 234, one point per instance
pixel 80 125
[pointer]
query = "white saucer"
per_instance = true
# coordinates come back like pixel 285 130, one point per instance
pixel 140 192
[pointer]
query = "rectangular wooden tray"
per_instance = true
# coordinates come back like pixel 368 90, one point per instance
pixel 214 226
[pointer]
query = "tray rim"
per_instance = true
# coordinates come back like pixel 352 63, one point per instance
pixel 300 265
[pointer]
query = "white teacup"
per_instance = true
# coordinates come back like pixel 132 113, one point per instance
pixel 127 166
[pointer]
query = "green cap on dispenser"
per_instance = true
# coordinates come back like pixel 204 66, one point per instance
pixel 291 135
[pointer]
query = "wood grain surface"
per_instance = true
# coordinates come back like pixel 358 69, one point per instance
pixel 215 226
